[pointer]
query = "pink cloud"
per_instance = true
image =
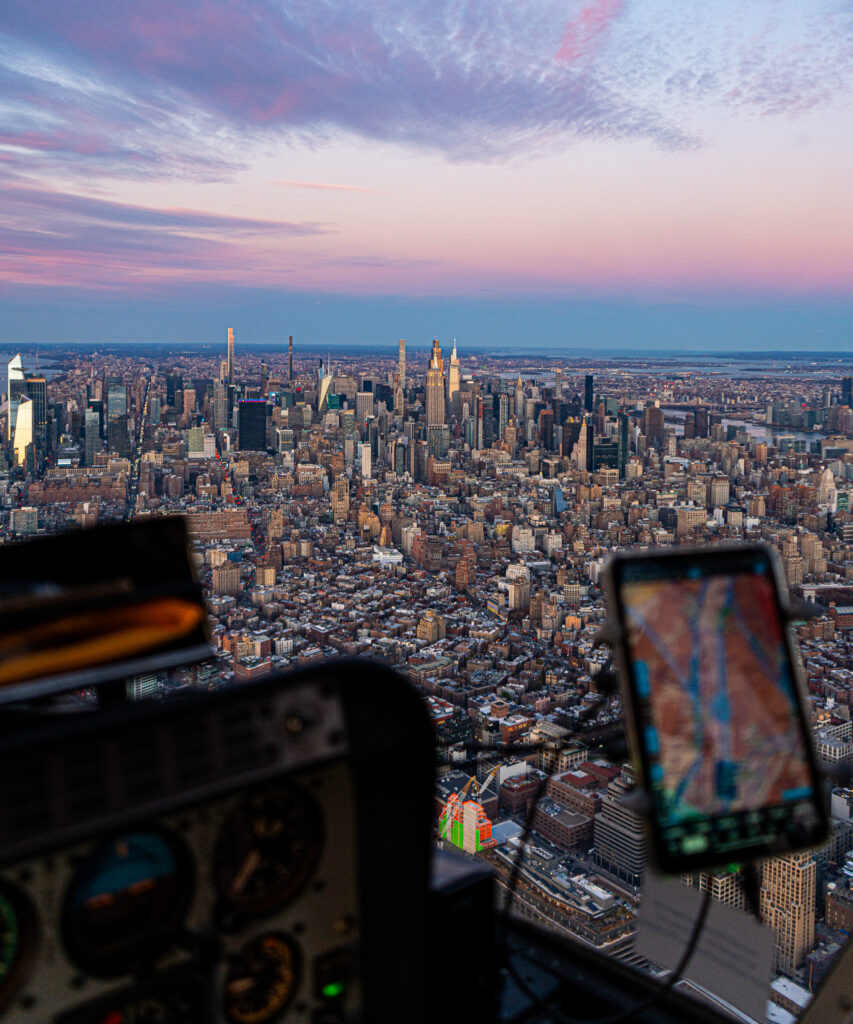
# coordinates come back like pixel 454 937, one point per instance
pixel 584 32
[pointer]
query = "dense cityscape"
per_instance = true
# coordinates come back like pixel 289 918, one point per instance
pixel 449 514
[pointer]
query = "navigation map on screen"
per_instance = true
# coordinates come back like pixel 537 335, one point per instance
pixel 717 696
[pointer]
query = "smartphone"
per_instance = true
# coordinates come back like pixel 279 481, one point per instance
pixel 714 705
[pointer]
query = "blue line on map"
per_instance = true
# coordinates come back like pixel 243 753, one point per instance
pixel 641 677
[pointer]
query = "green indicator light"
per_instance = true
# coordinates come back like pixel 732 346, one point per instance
pixel 333 989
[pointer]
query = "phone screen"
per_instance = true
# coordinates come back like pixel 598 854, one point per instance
pixel 728 762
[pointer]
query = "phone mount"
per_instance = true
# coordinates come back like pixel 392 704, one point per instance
pixel 778 830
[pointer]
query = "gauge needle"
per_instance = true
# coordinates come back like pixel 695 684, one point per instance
pixel 240 985
pixel 249 867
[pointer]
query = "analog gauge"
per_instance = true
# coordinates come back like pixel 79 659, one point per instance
pixel 179 999
pixel 267 849
pixel 17 940
pixel 262 980
pixel 125 899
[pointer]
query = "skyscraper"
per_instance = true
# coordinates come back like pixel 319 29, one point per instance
pixel 435 387
pixel 402 363
pixel 174 383
pixel 324 390
pixel 588 386
pixel 253 425
pixel 847 391
pixel 653 425
pixel 788 906
pixel 503 415
pixel 546 429
pixel 23 430
pixel 15 390
pixel 620 840
pixel 116 401
pixel 290 358
pixel 622 439
pixel 92 432
pixel 453 381
pixel 230 355
pixel 37 391
pixel 519 399
pixel 220 406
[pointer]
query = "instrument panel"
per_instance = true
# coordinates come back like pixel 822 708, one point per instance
pixel 237 909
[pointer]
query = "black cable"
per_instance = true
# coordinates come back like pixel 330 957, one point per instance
pixel 512 883
pixel 558 1017
pixel 524 838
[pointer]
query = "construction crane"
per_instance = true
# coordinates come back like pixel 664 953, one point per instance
pixel 482 789
pixel 479 791
pixel 460 796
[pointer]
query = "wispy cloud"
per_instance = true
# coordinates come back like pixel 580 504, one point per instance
pixel 585 31
pixel 138 87
pixel 52 237
pixel 135 86
pixel 158 86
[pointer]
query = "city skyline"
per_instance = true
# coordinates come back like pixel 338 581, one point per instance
pixel 452 518
pixel 586 174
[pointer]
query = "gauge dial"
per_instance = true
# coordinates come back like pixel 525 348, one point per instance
pixel 182 998
pixel 125 899
pixel 267 849
pixel 17 940
pixel 262 980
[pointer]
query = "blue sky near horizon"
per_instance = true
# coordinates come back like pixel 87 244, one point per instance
pixel 546 173
pixel 503 325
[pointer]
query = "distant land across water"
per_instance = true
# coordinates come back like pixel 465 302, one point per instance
pixel 685 359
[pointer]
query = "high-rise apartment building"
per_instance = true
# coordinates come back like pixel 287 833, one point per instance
pixel 402 363
pixel 226 579
pixel 719 490
pixel 435 387
pixel 290 358
pixel 788 889
pixel 230 357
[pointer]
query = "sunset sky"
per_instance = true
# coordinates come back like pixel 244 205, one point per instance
pixel 548 174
